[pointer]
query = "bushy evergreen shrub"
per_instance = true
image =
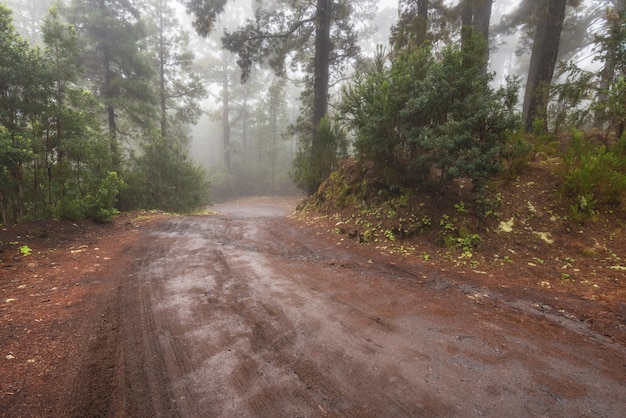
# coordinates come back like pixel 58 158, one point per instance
pixel 165 178
pixel 311 168
pixel 100 206
pixel 432 115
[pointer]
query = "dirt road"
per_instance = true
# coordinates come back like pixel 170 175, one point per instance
pixel 242 314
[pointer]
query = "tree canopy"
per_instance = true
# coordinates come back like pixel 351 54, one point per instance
pixel 75 112
pixel 99 101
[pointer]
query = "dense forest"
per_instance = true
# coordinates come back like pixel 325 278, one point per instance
pixel 102 99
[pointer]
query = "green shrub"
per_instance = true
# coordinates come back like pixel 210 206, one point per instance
pixel 597 174
pixel 312 166
pixel 100 206
pixel 434 117
pixel 70 208
pixel 585 207
pixel 165 178
pixel 515 152
pixel 593 176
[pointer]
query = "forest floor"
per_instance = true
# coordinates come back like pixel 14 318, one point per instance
pixel 520 237
pixel 329 314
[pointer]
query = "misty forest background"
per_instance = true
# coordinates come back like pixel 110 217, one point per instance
pixel 110 105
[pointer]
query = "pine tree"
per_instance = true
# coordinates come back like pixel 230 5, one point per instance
pixel 179 87
pixel 117 66
pixel 25 90
pixel 320 33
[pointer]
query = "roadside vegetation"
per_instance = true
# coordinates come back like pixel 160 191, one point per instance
pixel 83 131
pixel 444 169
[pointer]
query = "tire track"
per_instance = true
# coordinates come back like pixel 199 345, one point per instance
pixel 247 317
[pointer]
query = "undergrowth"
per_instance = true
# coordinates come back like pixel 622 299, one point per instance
pixel 536 196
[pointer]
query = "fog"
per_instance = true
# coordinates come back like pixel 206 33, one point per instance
pixel 258 123
pixel 505 60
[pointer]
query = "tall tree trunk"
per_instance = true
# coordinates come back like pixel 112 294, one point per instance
pixel 108 94
pixel 3 209
pixel 608 71
pixel 321 75
pixel 115 149
pixel 482 17
pixel 274 124
pixel 467 13
pixel 162 92
pixel 244 133
pixel 422 21
pixel 19 191
pixel 477 14
pixel 542 62
pixel 225 115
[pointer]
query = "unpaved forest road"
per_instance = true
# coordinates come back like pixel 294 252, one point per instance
pixel 242 314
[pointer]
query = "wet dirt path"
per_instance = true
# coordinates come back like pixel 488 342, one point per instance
pixel 243 314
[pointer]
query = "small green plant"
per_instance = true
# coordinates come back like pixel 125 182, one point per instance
pixel 403 200
pixel 538 126
pixel 487 206
pixel 515 152
pixel 25 250
pixel 460 207
pixel 467 244
pixel 584 208
pixel 448 223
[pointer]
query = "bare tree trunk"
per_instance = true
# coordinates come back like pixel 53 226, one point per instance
pixel 321 61
pixel 542 62
pixel 321 69
pixel 608 72
pixel 467 13
pixel 162 92
pixel 244 133
pixel 225 114
pixel 482 18
pixel 108 94
pixel 3 209
pixel 422 21
pixel 19 191
pixel 477 14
